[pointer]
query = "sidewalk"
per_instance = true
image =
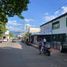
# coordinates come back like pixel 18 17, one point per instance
pixel 9 44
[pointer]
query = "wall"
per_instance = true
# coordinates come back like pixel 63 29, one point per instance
pixel 63 28
pixel 47 29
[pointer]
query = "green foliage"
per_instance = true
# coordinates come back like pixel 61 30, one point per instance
pixel 11 34
pixel 9 8
pixel 27 35
pixel 2 28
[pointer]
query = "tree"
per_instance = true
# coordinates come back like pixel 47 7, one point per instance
pixel 26 36
pixel 2 28
pixel 9 8
pixel 11 35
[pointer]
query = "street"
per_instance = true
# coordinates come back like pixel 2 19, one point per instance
pixel 20 55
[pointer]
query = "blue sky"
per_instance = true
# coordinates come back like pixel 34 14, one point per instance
pixel 39 12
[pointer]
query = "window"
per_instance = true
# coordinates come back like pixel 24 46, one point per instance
pixel 66 21
pixel 56 25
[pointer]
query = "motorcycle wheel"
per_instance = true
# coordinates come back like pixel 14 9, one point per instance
pixel 48 54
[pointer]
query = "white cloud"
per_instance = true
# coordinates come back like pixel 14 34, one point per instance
pixel 13 23
pixel 14 26
pixel 28 20
pixel 64 9
pixel 27 26
pixel 49 17
pixel 16 29
pixel 57 12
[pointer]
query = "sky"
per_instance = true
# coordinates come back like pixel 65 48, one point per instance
pixel 38 13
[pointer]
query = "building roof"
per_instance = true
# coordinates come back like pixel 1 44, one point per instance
pixel 54 19
pixel 39 34
pixel 35 34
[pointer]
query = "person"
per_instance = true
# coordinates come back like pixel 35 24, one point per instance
pixel 40 45
pixel 44 40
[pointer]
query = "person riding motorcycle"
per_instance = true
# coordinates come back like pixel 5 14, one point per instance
pixel 42 48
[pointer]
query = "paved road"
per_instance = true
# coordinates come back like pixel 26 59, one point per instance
pixel 20 55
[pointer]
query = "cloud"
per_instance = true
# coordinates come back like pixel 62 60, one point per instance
pixel 16 29
pixel 13 23
pixel 48 17
pixel 64 9
pixel 27 26
pixel 28 20
pixel 14 26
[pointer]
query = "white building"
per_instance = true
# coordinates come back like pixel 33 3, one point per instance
pixel 34 30
pixel 56 29
pixel 55 26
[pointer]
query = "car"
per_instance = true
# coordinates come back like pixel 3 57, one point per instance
pixel 13 40
pixel 1 40
pixel 4 40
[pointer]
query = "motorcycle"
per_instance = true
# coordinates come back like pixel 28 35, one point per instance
pixel 45 51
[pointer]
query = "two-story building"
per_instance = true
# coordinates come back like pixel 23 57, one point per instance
pixel 56 29
pixel 55 32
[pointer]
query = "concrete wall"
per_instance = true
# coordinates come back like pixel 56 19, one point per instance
pixel 35 40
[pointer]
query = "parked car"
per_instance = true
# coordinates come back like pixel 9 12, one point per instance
pixel 4 40
pixel 1 40
pixel 13 40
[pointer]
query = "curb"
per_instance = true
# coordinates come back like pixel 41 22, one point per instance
pixel 34 46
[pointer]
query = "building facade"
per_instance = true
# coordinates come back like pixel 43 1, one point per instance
pixel 56 29
pixel 56 26
pixel 34 31
pixel 55 32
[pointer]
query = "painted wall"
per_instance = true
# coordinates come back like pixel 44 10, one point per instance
pixel 63 28
pixel 47 29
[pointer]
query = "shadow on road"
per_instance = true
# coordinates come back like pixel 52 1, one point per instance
pixel 11 57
